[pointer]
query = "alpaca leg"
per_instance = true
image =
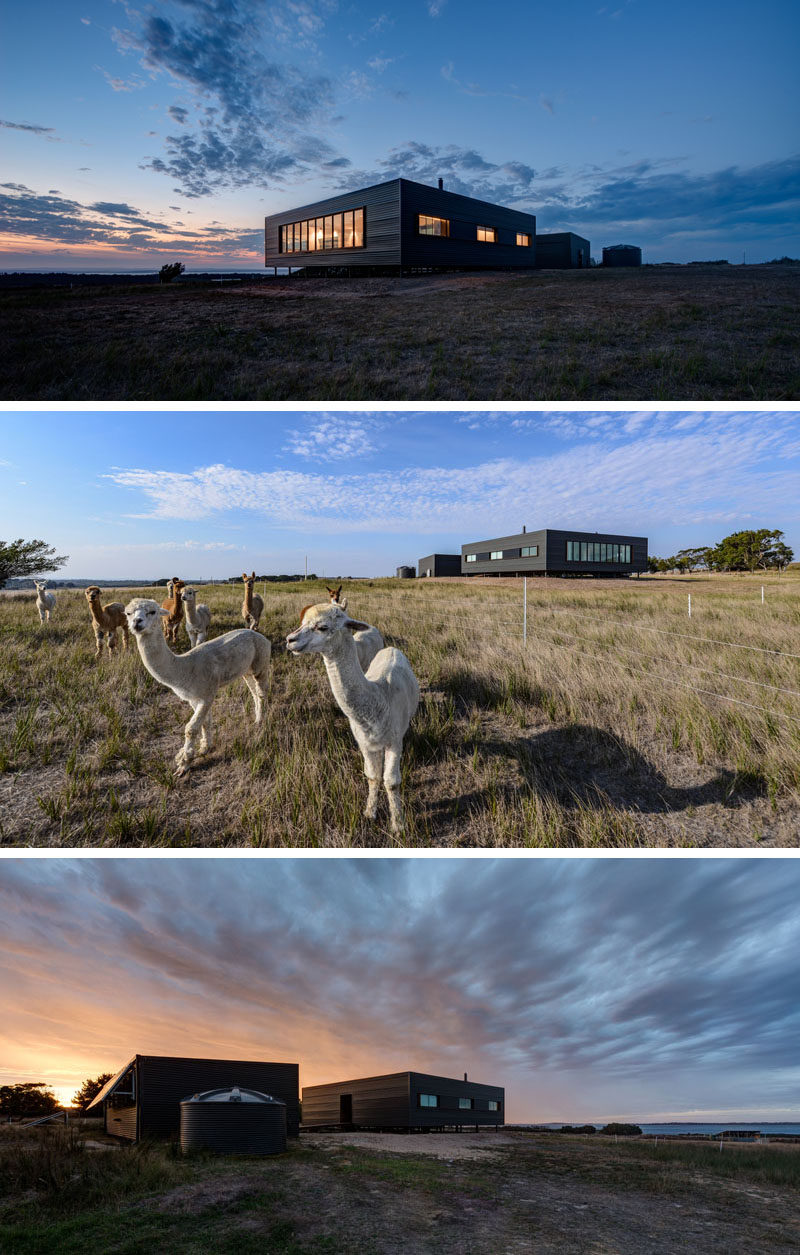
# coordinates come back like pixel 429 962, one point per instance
pixel 98 642
pixel 259 691
pixel 191 734
pixel 112 641
pixel 206 734
pixel 391 782
pixel 373 766
pixel 125 637
pixel 192 634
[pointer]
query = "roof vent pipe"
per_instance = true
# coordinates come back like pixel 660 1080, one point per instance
pixel 465 1076
pixel 524 529
pixel 441 185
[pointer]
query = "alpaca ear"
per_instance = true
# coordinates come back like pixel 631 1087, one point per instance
pixel 165 613
pixel 253 576
pixel 354 626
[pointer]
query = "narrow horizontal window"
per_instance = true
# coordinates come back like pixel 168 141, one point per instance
pixel 432 226
pixel 495 554
pixel 483 557
pixel 471 557
pixel 466 1104
pixel 428 1100
pixel 523 240
pixel 532 551
pixel 488 235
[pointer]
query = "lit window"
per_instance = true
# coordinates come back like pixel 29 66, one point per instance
pixel 328 231
pixel 432 226
pixel 348 229
pixel 358 228
pixel 494 1105
pixel 488 235
pixel 337 230
pixel 466 1104
pixel 496 553
pixel 524 241
pixel 471 557
pixel 428 1100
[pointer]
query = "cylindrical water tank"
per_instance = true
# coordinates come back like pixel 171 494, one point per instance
pixel 234 1121
pixel 406 572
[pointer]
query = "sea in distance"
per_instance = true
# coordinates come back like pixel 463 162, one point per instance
pixel 673 1129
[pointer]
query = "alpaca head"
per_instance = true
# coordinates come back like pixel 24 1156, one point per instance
pixel 92 593
pixel 249 580
pixel 319 626
pixel 334 593
pixel 144 616
pixel 41 585
pixel 190 595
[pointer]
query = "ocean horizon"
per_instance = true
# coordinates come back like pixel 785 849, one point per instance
pixel 783 1128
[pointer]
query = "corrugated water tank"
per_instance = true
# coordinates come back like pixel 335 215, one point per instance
pixel 234 1121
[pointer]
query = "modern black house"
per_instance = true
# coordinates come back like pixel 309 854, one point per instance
pixel 622 255
pixel 562 250
pixel 143 1099
pixel 400 226
pixel 439 564
pixel 404 1101
pixel 555 552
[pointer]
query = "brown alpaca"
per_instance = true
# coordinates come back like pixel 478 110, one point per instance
pixel 253 605
pixel 105 621
pixel 174 610
pixel 336 597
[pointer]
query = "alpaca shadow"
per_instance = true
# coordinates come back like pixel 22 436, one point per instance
pixel 582 767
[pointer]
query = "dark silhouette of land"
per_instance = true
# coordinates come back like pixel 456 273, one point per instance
pixel 656 333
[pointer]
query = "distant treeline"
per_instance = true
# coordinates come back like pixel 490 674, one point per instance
pixel 741 551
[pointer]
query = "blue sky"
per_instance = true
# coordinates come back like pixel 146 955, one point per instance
pixel 591 989
pixel 136 134
pixel 140 494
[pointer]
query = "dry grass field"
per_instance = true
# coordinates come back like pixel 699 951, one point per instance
pixel 488 1194
pixel 621 723
pixel 673 333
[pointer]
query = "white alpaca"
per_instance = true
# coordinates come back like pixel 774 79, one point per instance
pixel 379 704
pixel 45 602
pixel 195 677
pixel 368 639
pixel 198 617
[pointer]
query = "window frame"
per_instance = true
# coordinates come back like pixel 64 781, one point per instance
pixel 324 234
pixel 485 239
pixel 427 1105
pixel 433 235
pixel 524 239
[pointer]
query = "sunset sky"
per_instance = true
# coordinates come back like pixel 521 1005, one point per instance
pixel 134 135
pixel 132 496
pixel 589 988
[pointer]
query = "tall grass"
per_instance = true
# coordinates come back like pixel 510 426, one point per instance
pixel 596 731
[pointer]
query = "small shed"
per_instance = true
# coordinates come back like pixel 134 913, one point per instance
pixel 622 255
pixel 439 564
pixel 144 1098
pixel 562 250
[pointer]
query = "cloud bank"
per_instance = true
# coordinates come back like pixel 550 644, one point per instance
pixel 588 987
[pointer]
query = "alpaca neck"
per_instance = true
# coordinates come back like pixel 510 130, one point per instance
pixel 355 694
pixel 97 613
pixel 157 656
pixel 191 612
pixel 248 598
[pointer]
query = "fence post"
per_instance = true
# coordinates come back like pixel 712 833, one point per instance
pixel 762 594
pixel 690 605
pixel 525 611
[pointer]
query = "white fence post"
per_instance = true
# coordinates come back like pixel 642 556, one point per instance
pixel 690 605
pixel 525 611
pixel 762 594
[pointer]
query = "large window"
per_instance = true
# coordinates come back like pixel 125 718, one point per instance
pixel 523 240
pixel 487 234
pixel 530 551
pixel 336 231
pixel 428 1100
pixel 494 1105
pixel 466 1104
pixel 432 226
pixel 597 551
pixel 471 557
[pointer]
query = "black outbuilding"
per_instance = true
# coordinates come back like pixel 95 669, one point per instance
pixel 143 1099
pixel 400 226
pixel 562 250
pixel 552 551
pixel 404 1101
pixel 439 564
pixel 622 255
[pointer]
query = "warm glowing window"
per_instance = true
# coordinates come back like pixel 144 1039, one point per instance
pixel 523 240
pixel 358 228
pixel 487 234
pixel 303 237
pixel 432 226
pixel 428 1100
pixel 343 230
pixel 348 228
pixel 328 220
pixel 337 230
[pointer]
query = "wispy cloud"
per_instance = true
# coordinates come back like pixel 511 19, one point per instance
pixel 333 439
pixel 28 126
pixel 622 468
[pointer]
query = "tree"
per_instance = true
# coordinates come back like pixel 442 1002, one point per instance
pixel 622 1130
pixel 90 1089
pixel 691 559
pixel 170 271
pixel 749 550
pixel 28 557
pixel 31 1098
